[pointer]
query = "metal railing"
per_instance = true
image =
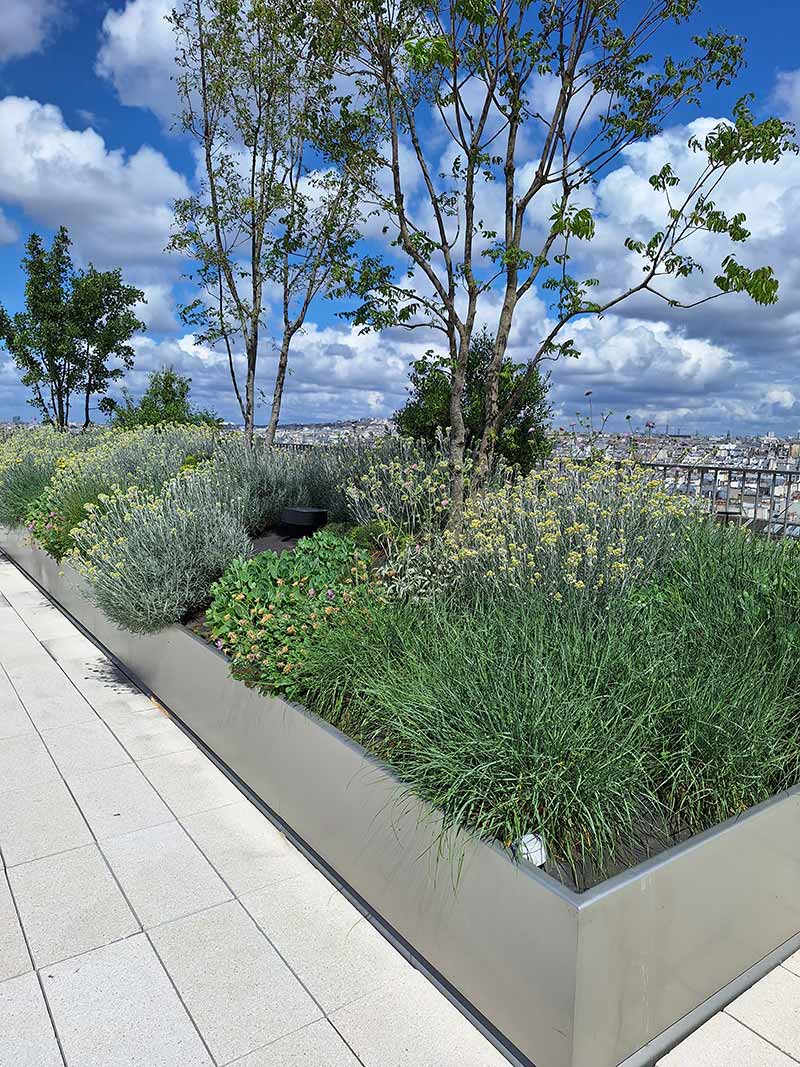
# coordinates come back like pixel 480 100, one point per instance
pixel 766 500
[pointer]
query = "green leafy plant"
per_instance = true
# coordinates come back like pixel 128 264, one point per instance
pixel 165 400
pixel 267 611
pixel 521 437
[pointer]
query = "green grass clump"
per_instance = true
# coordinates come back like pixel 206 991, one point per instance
pixel 674 707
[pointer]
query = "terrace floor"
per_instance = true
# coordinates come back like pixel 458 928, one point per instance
pixel 149 914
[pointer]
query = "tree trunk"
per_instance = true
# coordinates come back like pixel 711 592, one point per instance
pixel 250 389
pixel 86 419
pixel 277 395
pixel 459 350
pixel 491 425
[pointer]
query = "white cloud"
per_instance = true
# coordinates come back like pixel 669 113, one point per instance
pixel 8 231
pixel 787 94
pixel 117 206
pixel 334 372
pixel 158 313
pixel 137 55
pixel 25 25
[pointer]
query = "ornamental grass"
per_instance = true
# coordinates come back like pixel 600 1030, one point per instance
pixel 610 731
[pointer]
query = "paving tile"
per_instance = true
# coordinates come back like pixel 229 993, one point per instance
pixel 189 782
pixel 14 720
pixel 793 964
pixel 69 904
pixel 26 1033
pixel 317 1045
pixel 146 732
pixel 48 695
pixel 409 1022
pixel 772 1009
pixel 24 763
pixel 40 821
pixel 337 953
pixel 115 1007
pixel 14 958
pixel 236 987
pixel 723 1042
pixel 44 620
pixel 163 873
pixel 98 679
pixel 118 800
pixel 244 846
pixel 86 746
pixel 73 649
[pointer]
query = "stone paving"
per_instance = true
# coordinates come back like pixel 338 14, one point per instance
pixel 761 1028
pixel 150 915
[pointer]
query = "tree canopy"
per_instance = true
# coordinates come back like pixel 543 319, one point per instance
pixel 522 435
pixel 497 119
pixel 76 323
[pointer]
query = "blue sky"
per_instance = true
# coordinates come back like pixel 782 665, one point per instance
pixel 85 100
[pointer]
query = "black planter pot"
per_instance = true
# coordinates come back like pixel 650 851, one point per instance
pixel 301 522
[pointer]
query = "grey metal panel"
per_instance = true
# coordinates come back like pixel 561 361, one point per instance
pixel 572 980
pixel 670 934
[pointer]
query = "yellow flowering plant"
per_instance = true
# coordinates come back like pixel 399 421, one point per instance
pixel 587 529
pixel 146 457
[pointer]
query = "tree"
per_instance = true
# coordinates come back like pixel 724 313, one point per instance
pixel 522 437
pixel 499 116
pixel 166 399
pixel 275 214
pixel 73 325
pixel 104 322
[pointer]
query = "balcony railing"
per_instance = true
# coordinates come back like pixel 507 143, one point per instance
pixel 766 500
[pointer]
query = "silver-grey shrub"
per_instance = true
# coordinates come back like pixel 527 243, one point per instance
pixel 147 458
pixel 150 559
pixel 267 480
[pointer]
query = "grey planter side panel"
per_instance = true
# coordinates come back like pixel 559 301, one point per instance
pixel 668 939
pixel 505 938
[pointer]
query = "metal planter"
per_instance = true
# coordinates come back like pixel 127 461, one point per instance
pixel 616 975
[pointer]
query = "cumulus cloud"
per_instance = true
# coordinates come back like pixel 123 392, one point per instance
pixel 25 26
pixel 787 94
pixel 334 373
pixel 117 206
pixel 137 55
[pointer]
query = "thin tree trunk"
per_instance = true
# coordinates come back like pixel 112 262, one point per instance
pixel 491 425
pixel 277 394
pixel 250 388
pixel 459 350
pixel 86 419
